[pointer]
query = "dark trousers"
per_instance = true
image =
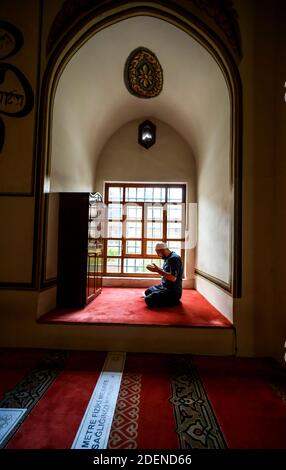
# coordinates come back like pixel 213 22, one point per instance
pixel 157 296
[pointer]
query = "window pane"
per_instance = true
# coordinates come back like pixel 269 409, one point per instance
pixel 113 265
pixel 154 213
pixel 174 246
pixel 114 248
pixel 140 194
pixel 175 194
pixel 133 265
pixel 159 194
pixel 154 229
pixel 114 229
pixel 174 230
pixel 131 194
pixel 133 229
pixel 174 212
pixel 133 247
pixel 115 211
pixel 151 248
pixel 134 212
pixel 138 265
pixel 115 194
pixel 100 265
pixel 149 194
pixel 124 225
pixel 90 264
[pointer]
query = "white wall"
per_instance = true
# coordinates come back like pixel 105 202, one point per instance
pixel 169 160
pixel 92 102
pixel 215 196
pixel 220 299
pixel 16 239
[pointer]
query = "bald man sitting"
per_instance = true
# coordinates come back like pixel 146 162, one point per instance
pixel 169 291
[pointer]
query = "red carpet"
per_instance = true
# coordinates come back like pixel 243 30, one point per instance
pixel 251 414
pixel 14 364
pixel 54 421
pixel 127 306
pixel 166 401
pixel 153 426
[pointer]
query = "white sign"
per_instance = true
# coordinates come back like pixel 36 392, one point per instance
pixel 9 418
pixel 94 429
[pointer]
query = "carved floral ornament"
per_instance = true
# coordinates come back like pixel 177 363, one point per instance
pixel 143 74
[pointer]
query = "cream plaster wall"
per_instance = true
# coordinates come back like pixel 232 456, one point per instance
pixel 259 315
pixel 218 297
pixel 92 102
pixel 169 160
pixel 215 199
pixel 47 301
pixel 278 314
pixel 17 156
pixel 263 174
pixel 243 308
pixel 16 239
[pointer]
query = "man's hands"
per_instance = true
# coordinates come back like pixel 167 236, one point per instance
pixel 153 268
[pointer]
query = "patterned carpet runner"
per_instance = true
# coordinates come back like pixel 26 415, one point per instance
pixel 193 425
pixel 164 402
pixel 124 430
pixel 27 393
pixel 197 427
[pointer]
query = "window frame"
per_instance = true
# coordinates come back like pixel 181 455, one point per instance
pixel 143 239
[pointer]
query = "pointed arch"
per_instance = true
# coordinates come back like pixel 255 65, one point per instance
pixel 107 15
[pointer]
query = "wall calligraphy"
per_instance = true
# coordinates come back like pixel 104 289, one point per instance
pixel 16 94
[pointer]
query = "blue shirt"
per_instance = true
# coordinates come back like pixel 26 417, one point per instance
pixel 173 265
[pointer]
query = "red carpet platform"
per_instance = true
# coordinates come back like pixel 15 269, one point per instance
pixel 165 402
pixel 126 306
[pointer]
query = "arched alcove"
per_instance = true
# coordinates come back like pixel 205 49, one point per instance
pixel 201 100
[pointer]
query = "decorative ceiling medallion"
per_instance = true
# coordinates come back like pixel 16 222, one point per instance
pixel 143 74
